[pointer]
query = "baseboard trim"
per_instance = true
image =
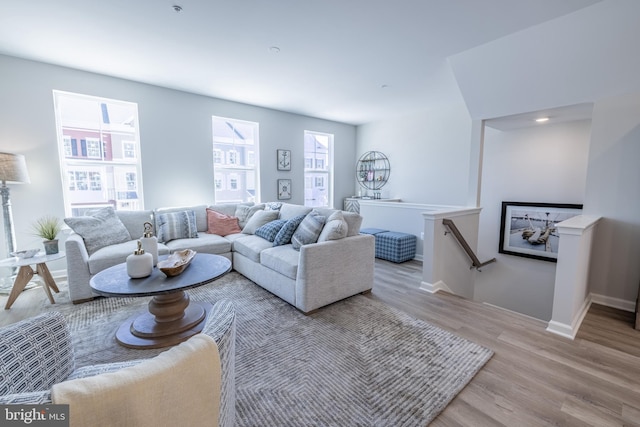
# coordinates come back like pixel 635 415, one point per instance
pixel 432 288
pixel 570 331
pixel 620 304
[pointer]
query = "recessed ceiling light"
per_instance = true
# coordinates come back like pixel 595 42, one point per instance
pixel 542 119
pixel 177 8
pixel 274 49
pixel 384 86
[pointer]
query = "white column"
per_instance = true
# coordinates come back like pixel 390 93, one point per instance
pixel 571 298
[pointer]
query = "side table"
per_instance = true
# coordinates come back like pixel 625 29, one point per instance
pixel 26 273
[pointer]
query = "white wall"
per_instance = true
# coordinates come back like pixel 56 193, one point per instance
pixel 428 154
pixel 547 164
pixel 176 141
pixel 613 192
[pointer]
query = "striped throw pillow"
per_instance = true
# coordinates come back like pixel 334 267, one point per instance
pixel 308 230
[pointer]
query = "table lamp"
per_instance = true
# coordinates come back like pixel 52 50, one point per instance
pixel 13 170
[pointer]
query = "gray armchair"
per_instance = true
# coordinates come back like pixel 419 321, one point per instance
pixel 37 353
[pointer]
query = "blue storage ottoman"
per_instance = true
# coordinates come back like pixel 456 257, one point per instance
pixel 373 231
pixel 395 247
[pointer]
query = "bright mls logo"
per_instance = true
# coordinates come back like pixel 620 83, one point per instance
pixel 35 415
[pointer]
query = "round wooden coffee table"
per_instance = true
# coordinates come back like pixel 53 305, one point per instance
pixel 172 317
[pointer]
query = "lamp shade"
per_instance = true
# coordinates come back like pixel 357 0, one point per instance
pixel 13 168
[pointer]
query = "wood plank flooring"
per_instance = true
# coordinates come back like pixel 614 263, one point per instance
pixel 535 378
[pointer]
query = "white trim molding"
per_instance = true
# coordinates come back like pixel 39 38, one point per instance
pixel 620 304
pixel 570 331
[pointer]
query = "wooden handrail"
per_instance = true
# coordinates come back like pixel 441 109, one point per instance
pixel 460 238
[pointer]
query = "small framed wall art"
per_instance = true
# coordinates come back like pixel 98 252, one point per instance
pixel 284 189
pixel 284 160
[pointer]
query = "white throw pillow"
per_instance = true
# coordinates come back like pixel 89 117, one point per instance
pixel 335 228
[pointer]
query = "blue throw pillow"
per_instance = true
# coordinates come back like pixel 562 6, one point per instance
pixel 286 232
pixel 270 230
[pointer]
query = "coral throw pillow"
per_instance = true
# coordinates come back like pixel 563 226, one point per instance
pixel 221 224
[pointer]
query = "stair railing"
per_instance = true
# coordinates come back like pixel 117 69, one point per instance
pixel 460 238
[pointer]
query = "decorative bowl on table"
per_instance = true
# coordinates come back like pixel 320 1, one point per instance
pixel 29 253
pixel 177 262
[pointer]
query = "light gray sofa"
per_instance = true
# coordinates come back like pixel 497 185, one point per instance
pixel 316 275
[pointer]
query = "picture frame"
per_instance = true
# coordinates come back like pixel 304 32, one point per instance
pixel 284 160
pixel 284 189
pixel 529 229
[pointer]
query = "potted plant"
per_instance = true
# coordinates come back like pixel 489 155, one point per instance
pixel 48 228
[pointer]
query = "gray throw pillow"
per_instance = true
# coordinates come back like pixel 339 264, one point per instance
pixel 286 232
pixel 259 219
pixel 335 228
pixel 176 225
pixel 244 213
pixel 99 228
pixel 308 230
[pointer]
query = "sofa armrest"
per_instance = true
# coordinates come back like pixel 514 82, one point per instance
pixel 334 270
pixel 78 274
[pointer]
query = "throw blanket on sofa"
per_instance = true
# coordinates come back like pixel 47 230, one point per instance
pixel 178 387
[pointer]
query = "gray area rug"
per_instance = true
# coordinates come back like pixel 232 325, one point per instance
pixel 357 362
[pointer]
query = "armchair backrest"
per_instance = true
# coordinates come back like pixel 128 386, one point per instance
pixel 35 354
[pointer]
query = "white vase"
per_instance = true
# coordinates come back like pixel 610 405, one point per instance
pixel 139 263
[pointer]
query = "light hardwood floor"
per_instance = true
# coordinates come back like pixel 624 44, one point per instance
pixel 535 378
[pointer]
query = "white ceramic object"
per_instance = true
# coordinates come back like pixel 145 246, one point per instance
pixel 29 253
pixel 150 242
pixel 139 263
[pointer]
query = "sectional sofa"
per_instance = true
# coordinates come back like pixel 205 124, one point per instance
pixel 306 275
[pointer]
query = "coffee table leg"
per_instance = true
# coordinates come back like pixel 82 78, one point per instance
pixel 171 319
pixel 22 278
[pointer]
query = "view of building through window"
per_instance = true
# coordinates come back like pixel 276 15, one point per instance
pixel 318 169
pixel 235 150
pixel 99 150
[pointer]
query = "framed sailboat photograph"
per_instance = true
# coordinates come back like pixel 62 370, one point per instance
pixel 530 229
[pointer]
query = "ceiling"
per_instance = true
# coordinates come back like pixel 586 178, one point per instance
pixel 352 61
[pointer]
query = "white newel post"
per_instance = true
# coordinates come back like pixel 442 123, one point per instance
pixel 571 298
pixel 445 265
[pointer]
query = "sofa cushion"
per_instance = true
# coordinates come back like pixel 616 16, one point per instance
pixel 244 212
pixel 354 221
pixel 221 224
pixel 283 259
pixel 286 232
pixel 116 254
pixel 335 228
pixel 176 225
pixel 259 219
pixel 204 243
pixel 251 246
pixel 270 230
pixel 228 209
pixel 99 228
pixel 134 221
pixel 289 211
pixel 308 230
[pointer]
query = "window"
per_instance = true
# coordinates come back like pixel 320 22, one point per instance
pixel 129 149
pixel 95 180
pixel 99 151
pixel 318 169
pixel 235 150
pixel 94 149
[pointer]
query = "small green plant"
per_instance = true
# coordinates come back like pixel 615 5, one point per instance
pixel 47 227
